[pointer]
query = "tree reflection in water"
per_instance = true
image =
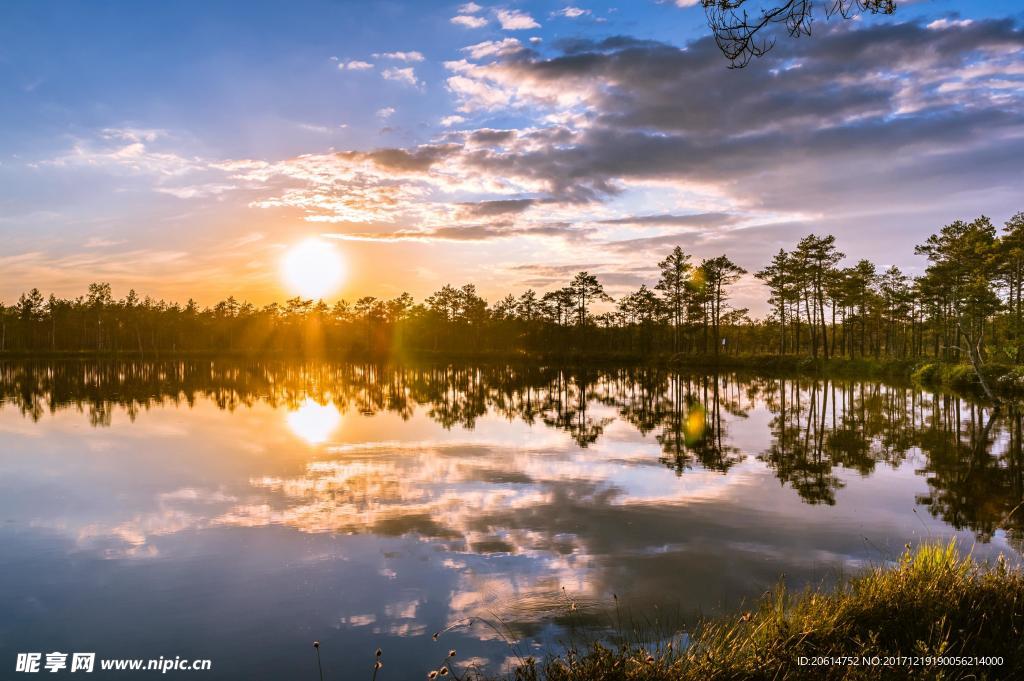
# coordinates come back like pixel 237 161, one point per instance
pixel 970 456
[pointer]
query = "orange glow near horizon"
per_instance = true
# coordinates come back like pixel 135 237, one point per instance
pixel 313 268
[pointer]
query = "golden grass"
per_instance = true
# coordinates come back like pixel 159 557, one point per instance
pixel 933 603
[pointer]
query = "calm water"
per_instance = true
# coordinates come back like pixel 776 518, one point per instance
pixel 239 511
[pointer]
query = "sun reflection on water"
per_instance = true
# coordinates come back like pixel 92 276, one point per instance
pixel 314 422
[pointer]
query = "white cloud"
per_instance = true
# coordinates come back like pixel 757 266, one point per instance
pixel 130 149
pixel 495 85
pixel 940 24
pixel 515 20
pixel 100 242
pixel 470 8
pixel 412 56
pixel 355 65
pixel 195 191
pixel 686 3
pixel 313 127
pixel 493 48
pixel 475 88
pixel 405 75
pixel 134 134
pixel 469 21
pixel 571 12
pixel 588 144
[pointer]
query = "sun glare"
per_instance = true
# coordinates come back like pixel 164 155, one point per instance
pixel 312 268
pixel 314 422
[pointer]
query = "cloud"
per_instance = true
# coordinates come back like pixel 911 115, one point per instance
pixel 940 24
pixel 902 108
pixel 849 99
pixel 499 207
pixel 406 76
pixel 132 151
pixel 128 267
pixel 515 20
pixel 629 146
pixel 194 191
pixel 313 127
pixel 400 56
pixel 697 219
pixel 355 65
pixel 468 232
pixel 470 8
pixel 494 48
pixel 469 21
pixel 610 151
pixel 571 12
pixel 100 242
pixel 621 118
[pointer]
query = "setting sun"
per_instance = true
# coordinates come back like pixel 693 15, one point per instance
pixel 312 268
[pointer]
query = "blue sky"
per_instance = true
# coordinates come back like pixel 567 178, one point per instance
pixel 181 147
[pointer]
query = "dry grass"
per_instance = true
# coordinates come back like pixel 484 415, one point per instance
pixel 934 602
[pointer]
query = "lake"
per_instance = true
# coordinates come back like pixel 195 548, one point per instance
pixel 237 511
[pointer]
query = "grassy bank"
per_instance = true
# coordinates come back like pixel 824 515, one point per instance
pixel 933 603
pixel 1004 379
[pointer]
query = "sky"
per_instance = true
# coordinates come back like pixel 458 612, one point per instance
pixel 182 148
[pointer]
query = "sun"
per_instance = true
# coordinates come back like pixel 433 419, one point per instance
pixel 312 268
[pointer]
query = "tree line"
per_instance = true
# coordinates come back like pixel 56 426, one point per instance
pixel 967 305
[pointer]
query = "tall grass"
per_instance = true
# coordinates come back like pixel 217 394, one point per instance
pixel 933 602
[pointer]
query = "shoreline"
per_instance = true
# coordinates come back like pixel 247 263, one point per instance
pixel 1007 380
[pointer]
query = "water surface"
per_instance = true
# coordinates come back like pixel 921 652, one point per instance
pixel 238 511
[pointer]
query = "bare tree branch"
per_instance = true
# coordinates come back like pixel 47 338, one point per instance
pixel 738 32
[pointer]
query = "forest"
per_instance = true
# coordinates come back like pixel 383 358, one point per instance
pixel 965 307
